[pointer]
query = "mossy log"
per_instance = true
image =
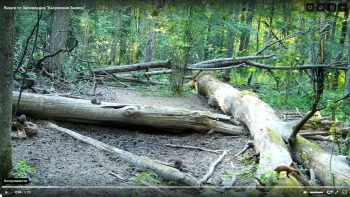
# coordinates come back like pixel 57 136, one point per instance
pixel 112 114
pixel 270 133
pixel 255 114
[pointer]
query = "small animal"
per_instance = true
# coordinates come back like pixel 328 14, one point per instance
pixel 22 119
pixel 178 164
pixel 95 101
pixel 287 169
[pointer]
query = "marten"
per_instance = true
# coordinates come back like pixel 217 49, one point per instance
pixel 95 101
pixel 287 169
pixel 22 119
pixel 178 164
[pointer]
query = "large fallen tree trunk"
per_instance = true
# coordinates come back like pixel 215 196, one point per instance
pixel 133 80
pixel 133 67
pixel 146 163
pixel 258 117
pixel 111 114
pixel 146 74
pixel 268 131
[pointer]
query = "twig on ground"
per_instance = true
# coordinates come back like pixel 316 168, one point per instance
pixel 193 147
pixel 211 168
pixel 248 145
pixel 116 175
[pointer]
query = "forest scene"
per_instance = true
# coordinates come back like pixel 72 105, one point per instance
pixel 174 98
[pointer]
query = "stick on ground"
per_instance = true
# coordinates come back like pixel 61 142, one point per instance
pixel 211 168
pixel 166 172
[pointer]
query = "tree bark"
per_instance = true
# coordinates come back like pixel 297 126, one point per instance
pixel 151 43
pixel 6 59
pixel 133 67
pixel 111 114
pixel 59 34
pixel 268 131
pixel 256 115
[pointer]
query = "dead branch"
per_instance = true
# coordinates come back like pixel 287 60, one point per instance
pixel 320 137
pixel 193 147
pixel 279 40
pixel 232 59
pixel 211 168
pixel 212 67
pixel 133 67
pixel 116 175
pixel 248 145
pixel 308 133
pixel 141 161
pixel 134 80
pixel 301 67
pixel 146 74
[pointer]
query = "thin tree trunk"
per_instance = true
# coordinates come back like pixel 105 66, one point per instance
pixel 311 76
pixel 151 43
pixel 86 33
pixel 116 37
pixel 6 59
pixel 347 77
pixel 245 38
pixel 343 31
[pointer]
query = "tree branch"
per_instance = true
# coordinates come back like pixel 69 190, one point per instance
pixel 284 38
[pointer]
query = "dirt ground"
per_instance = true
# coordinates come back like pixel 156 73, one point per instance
pixel 76 167
pixel 68 167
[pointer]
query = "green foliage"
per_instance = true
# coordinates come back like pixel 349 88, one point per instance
pixel 211 26
pixel 22 170
pixel 342 144
pixel 269 178
pixel 146 177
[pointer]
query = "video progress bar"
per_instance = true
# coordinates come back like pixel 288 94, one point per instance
pixel 171 187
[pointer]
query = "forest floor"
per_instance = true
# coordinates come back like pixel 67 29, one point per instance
pixel 79 168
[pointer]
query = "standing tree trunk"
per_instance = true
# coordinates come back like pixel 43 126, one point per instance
pixel 86 32
pixel 181 56
pixel 311 76
pixel 347 81
pixel 245 38
pixel 6 57
pixel 151 43
pixel 59 34
pixel 344 28
pixel 116 37
pixel 347 78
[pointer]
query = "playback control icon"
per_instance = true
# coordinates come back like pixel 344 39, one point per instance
pixel 329 7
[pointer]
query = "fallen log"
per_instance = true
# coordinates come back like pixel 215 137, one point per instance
pixel 168 173
pixel 268 131
pixel 255 114
pixel 133 80
pixel 332 170
pixel 146 74
pixel 133 67
pixel 112 114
